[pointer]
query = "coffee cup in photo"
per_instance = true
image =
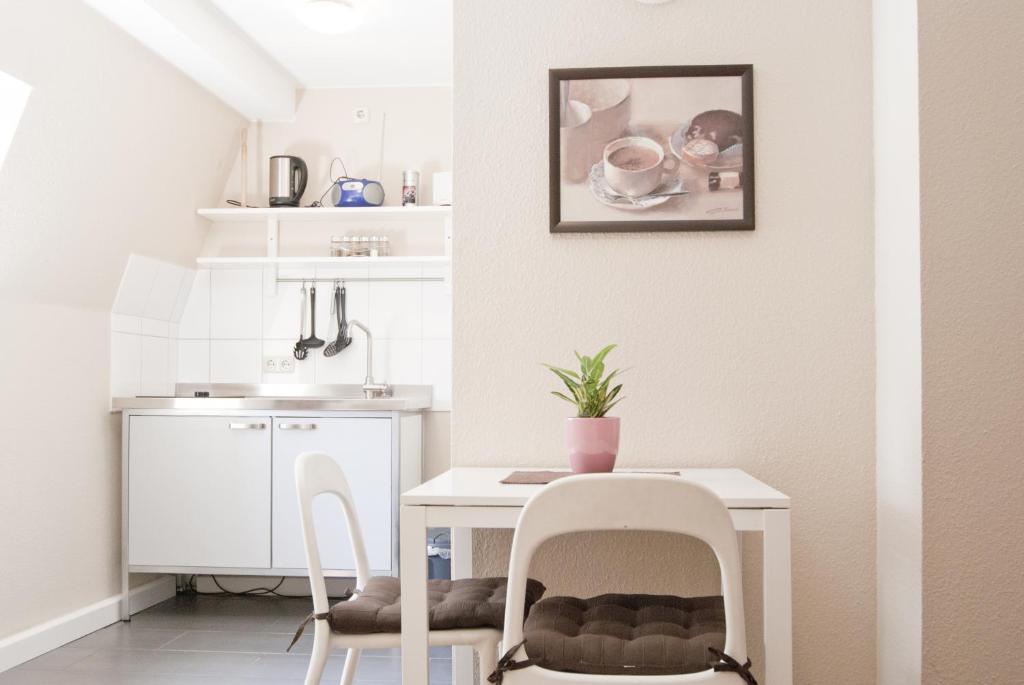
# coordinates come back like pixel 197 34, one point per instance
pixel 632 165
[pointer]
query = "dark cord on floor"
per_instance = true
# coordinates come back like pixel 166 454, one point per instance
pixel 252 592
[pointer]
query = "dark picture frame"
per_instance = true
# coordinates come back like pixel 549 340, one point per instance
pixel 635 221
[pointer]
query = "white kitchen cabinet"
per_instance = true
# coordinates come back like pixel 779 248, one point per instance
pixel 213 492
pixel 363 449
pixel 199 490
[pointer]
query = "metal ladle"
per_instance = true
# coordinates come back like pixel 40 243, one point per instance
pixel 312 342
pixel 300 350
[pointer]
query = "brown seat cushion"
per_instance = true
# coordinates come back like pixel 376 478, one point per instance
pixel 467 603
pixel 625 634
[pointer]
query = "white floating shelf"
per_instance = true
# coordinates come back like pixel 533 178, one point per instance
pixel 255 214
pixel 241 262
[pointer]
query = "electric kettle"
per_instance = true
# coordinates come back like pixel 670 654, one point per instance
pixel 288 176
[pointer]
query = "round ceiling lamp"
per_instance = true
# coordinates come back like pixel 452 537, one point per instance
pixel 329 16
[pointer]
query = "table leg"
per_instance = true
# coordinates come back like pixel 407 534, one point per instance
pixel 778 599
pixel 412 548
pixel 462 567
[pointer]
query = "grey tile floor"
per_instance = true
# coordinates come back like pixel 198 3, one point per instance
pixel 190 640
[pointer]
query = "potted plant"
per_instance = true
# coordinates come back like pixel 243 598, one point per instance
pixel 591 437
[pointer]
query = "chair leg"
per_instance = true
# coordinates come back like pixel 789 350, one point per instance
pixel 321 650
pixel 487 652
pixel 351 663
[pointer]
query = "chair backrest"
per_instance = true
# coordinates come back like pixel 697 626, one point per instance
pixel 607 502
pixel 317 474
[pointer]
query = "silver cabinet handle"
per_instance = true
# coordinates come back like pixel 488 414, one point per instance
pixel 247 426
pixel 297 426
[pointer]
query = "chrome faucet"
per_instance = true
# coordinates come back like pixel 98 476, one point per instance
pixel 371 389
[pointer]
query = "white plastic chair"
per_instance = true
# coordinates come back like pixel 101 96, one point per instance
pixel 315 474
pixel 606 502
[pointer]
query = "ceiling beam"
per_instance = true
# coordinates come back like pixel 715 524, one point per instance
pixel 200 41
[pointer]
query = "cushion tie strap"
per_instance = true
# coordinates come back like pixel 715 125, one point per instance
pixel 729 664
pixel 507 663
pixel 302 627
pixel 314 617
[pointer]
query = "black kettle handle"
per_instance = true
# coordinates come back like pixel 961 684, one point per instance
pixel 299 184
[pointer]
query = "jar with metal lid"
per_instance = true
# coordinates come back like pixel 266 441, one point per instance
pixel 340 246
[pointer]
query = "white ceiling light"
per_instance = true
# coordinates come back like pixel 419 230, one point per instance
pixel 329 16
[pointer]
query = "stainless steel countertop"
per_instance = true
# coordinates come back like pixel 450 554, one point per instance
pixel 233 397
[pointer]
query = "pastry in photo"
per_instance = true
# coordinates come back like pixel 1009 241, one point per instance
pixel 720 126
pixel 700 151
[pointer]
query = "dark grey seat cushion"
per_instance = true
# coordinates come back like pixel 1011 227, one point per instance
pixel 625 634
pixel 468 603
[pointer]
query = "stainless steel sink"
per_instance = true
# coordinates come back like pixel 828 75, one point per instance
pixel 281 398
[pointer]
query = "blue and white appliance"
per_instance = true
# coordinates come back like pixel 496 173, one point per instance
pixel 357 192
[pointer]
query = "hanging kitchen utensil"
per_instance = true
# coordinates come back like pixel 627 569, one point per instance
pixel 312 341
pixel 343 340
pixel 300 351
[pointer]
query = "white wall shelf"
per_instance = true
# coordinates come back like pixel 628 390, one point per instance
pixel 333 214
pixel 271 218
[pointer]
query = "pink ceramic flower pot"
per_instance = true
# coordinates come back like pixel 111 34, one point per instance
pixel 592 444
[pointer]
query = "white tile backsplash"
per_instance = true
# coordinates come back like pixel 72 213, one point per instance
pixel 122 323
pixel 347 367
pixel 437 311
pixel 155 328
pixel 184 290
pixel 156 378
pixel 174 324
pixel 193 361
pixel 140 274
pixel 235 361
pixel 125 364
pixel 163 296
pixel 396 309
pixel 235 304
pixel 398 361
pixel 194 323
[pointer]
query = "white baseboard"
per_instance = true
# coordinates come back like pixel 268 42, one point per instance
pixel 28 644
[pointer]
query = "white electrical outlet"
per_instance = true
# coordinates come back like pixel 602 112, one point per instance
pixel 361 115
pixel 278 365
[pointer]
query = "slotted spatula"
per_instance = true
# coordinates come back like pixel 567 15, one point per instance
pixel 343 340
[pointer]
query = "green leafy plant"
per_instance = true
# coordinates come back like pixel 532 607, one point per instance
pixel 590 390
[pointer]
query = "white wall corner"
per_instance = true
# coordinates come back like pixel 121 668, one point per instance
pixel 28 644
pixel 209 48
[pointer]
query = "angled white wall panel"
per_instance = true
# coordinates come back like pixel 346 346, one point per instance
pixel 13 98
pixel 196 38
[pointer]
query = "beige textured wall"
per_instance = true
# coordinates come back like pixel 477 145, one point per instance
pixel 747 349
pixel 898 340
pixel 113 153
pixel 972 249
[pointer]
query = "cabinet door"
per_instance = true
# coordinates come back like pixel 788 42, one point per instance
pixel 199 491
pixel 362 447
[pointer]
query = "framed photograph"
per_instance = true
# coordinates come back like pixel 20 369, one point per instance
pixel 652 149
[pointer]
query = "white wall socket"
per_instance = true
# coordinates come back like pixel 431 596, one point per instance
pixel 361 115
pixel 278 365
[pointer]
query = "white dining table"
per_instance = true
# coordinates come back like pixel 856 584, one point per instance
pixel 465 498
